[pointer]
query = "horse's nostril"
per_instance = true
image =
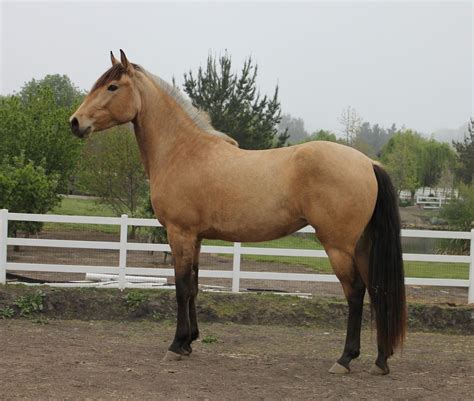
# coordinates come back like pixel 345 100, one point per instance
pixel 74 123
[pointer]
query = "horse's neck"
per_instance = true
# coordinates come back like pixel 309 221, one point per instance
pixel 160 126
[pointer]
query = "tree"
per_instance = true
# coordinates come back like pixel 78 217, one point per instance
pixel 65 93
pixel 294 127
pixel 111 169
pixel 435 158
pixel 38 128
pixel 26 188
pixel 351 122
pixel 234 105
pixel 323 135
pixel 371 139
pixel 401 158
pixel 465 151
pixel 414 161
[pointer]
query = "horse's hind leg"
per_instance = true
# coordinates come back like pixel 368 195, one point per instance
pixel 354 290
pixel 380 366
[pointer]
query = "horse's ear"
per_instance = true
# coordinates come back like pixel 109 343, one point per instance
pixel 128 66
pixel 112 58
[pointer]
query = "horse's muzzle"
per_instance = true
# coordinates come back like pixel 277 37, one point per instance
pixel 77 130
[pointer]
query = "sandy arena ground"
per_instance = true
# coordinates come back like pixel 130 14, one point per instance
pixel 122 361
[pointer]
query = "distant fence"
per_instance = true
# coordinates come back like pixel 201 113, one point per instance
pixel 430 198
pixel 431 202
pixel 122 270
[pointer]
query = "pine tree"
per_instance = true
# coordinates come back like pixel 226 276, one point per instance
pixel 234 104
pixel 465 150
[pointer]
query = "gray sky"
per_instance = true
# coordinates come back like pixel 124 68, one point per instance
pixel 405 62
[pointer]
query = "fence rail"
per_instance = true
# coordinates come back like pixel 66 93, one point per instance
pixel 431 202
pixel 236 250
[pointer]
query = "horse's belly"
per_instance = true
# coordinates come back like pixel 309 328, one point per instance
pixel 254 229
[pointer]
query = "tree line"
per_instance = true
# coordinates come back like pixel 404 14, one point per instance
pixel 40 159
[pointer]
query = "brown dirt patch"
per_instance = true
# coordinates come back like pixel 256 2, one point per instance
pixel 121 361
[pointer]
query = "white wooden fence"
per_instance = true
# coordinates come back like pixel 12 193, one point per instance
pixel 431 202
pixel 236 250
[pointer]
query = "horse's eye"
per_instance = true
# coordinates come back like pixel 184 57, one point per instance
pixel 112 88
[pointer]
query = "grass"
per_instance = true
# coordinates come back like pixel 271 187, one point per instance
pixel 412 269
pixel 82 207
pixel 322 265
pixel 299 241
pixel 87 207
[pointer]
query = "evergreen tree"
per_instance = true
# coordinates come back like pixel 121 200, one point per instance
pixel 465 150
pixel 295 128
pixel 374 137
pixel 234 104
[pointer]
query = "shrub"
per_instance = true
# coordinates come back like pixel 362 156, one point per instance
pixel 460 212
pixel 30 303
pixel 7 312
pixel 134 299
pixel 460 215
pixel 26 188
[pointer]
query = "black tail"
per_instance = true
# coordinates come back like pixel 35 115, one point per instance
pixel 386 276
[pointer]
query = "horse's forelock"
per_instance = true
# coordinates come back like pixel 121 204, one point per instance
pixel 114 73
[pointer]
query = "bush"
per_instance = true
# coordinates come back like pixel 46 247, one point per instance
pixel 30 303
pixel 155 235
pixel 460 212
pixel 26 188
pixel 33 124
pixel 7 312
pixel 460 215
pixel 134 299
pixel 405 202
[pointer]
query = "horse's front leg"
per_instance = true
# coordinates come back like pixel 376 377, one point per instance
pixel 192 300
pixel 183 246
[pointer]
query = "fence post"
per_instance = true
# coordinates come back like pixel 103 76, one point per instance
pixel 123 250
pixel 236 268
pixel 470 297
pixel 3 245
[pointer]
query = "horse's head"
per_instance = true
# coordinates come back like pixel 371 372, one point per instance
pixel 113 100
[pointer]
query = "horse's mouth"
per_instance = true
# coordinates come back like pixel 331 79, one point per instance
pixel 82 133
pixel 86 132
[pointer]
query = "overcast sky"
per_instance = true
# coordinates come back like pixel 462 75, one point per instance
pixel 405 62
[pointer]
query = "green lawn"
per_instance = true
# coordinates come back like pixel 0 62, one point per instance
pixel 82 207
pixel 299 241
pixel 322 265
pixel 412 269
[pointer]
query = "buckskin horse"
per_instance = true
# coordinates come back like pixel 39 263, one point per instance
pixel 203 186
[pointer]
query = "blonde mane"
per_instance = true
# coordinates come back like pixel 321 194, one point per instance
pixel 199 117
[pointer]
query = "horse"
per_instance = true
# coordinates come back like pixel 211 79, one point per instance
pixel 203 186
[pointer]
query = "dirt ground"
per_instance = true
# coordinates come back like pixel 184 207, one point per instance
pixel 121 361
